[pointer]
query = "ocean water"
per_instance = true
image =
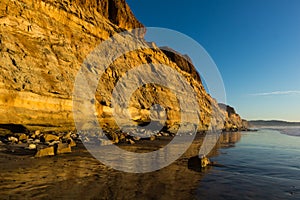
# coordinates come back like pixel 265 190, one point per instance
pixel 262 165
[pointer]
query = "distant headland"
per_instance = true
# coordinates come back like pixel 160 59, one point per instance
pixel 264 123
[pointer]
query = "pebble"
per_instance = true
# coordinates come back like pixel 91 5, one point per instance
pixel 13 139
pixel 131 141
pixel 32 146
pixel 37 141
pixel 136 138
pixel 152 138
pixel 37 132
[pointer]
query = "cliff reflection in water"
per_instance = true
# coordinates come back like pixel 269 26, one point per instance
pixel 80 176
pixel 229 139
pixel 226 140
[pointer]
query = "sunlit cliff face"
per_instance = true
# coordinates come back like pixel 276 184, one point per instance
pixel 42 47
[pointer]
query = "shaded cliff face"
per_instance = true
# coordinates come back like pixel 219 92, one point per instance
pixel 42 47
pixel 183 61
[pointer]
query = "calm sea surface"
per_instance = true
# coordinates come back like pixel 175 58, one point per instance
pixel 262 165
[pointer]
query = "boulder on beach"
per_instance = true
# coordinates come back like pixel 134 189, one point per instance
pixel 71 142
pixel 62 148
pixel 67 136
pixel 204 161
pixel 21 136
pixel 48 151
pixel 50 138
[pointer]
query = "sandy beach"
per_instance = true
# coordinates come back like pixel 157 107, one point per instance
pixel 80 176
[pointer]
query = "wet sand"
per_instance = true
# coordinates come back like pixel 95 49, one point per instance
pixel 80 176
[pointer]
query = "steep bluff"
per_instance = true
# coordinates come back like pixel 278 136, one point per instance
pixel 42 46
pixel 233 120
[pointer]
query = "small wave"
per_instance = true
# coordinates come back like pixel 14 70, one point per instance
pixel 291 131
pixel 287 130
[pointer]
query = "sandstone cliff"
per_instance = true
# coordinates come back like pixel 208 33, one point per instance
pixel 233 120
pixel 42 46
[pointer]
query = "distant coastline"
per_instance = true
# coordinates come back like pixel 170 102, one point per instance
pixel 284 127
pixel 268 123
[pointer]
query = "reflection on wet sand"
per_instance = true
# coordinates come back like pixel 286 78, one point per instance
pixel 229 139
pixel 80 176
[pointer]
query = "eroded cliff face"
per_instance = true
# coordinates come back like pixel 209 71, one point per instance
pixel 42 47
pixel 233 120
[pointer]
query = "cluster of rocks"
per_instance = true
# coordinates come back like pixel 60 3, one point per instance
pixel 44 144
pixel 52 143
pixel 120 137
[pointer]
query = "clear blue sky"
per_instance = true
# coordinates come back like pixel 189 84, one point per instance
pixel 255 44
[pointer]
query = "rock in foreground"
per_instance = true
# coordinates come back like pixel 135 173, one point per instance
pixel 47 151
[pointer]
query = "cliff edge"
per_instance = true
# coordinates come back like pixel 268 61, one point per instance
pixel 42 46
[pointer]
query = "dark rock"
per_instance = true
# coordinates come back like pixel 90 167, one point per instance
pixel 183 61
pixel 14 128
pixel 114 137
pixel 71 142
